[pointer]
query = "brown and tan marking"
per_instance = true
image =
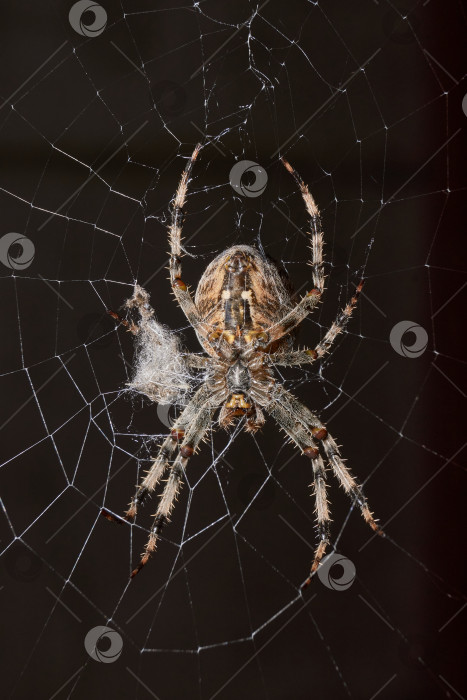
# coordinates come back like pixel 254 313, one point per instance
pixel 245 317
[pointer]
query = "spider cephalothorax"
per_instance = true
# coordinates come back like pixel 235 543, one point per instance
pixel 245 318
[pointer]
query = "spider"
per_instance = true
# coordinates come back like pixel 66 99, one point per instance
pixel 245 321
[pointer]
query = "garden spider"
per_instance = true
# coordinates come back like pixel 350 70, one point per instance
pixel 245 320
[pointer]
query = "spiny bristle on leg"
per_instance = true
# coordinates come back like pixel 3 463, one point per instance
pixel 319 554
pixel 148 550
pixel 368 516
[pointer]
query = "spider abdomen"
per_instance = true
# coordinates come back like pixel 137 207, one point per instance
pixel 241 290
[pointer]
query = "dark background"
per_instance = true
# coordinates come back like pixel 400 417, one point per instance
pixel 232 622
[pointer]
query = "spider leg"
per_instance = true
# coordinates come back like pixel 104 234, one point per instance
pixel 168 447
pixel 348 481
pixel 193 436
pixel 180 289
pixel 294 317
pixel 301 357
pixel 166 450
pixel 306 418
pixel 316 228
pixel 154 473
pixel 305 436
pixel 196 361
pixel 304 428
pixel 131 327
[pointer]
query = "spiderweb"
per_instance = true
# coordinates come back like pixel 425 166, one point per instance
pixel 100 111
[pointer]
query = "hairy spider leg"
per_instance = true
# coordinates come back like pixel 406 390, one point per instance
pixel 301 357
pixel 179 288
pixel 166 450
pixel 316 228
pixel 307 303
pixel 161 462
pixel 307 431
pixel 194 434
